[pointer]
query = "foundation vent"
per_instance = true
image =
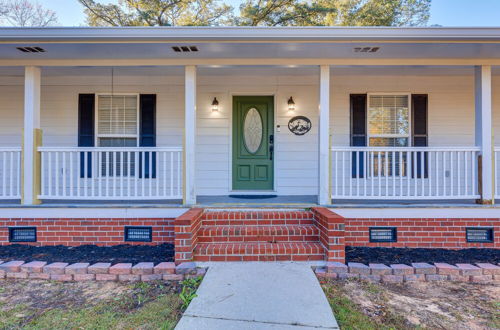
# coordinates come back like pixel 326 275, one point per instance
pixel 383 234
pixel 185 49
pixel 138 234
pixel 22 234
pixel 479 235
pixel 366 49
pixel 31 49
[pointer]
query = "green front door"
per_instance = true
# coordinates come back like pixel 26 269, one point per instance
pixel 253 142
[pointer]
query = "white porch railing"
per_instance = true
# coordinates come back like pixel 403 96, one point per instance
pixel 10 173
pixel 404 173
pixel 111 173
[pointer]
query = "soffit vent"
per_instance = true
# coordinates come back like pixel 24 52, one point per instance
pixel 185 49
pixel 366 49
pixel 31 49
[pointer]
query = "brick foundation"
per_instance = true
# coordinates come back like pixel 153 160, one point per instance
pixel 319 234
pixel 421 233
pixel 74 232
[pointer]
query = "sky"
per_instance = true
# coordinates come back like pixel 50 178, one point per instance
pixel 443 12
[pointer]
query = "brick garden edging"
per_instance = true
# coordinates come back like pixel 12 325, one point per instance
pixel 417 272
pixel 102 271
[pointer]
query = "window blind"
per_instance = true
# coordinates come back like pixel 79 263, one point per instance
pixel 117 115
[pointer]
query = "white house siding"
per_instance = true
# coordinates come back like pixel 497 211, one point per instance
pixel 451 114
pixel 295 156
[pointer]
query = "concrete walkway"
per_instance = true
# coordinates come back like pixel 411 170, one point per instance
pixel 259 295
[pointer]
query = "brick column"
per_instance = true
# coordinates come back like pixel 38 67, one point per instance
pixel 331 233
pixel 186 234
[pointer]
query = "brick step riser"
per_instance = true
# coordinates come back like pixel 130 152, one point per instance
pixel 257 222
pixel 285 257
pixel 257 239
pixel 258 231
pixel 257 215
pixel 258 249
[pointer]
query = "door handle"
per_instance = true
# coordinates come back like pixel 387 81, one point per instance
pixel 271 151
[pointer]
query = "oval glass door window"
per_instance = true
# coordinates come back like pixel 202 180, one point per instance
pixel 252 130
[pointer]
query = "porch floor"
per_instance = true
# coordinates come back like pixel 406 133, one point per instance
pixel 299 201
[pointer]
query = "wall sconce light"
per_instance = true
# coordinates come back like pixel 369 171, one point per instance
pixel 215 105
pixel 291 104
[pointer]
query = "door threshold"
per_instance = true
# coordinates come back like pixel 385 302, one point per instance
pixel 253 196
pixel 252 193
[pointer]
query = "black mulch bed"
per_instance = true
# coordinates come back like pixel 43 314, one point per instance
pixel 89 253
pixel 406 256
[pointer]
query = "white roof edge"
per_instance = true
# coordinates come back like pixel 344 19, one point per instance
pixel 131 34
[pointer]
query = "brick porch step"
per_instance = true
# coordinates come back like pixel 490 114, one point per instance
pixel 264 234
pixel 262 218
pixel 283 251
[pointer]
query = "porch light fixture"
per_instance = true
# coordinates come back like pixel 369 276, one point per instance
pixel 215 105
pixel 291 104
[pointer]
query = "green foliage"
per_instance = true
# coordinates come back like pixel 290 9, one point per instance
pixel 334 12
pixel 156 12
pixel 258 13
pixel 188 293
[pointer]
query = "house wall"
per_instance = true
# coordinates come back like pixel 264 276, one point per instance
pixel 451 114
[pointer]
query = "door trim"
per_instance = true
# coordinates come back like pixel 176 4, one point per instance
pixel 232 95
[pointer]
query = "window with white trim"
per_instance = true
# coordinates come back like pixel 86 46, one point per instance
pixel 388 126
pixel 117 126
pixel 117 120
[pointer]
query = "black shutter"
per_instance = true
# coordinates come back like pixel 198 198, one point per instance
pixel 86 130
pixel 358 132
pixel 419 132
pixel 147 136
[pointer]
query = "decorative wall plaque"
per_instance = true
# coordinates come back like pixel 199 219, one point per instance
pixel 299 125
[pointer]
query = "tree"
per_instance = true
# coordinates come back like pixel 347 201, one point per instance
pixel 281 13
pixel 156 12
pixel 25 14
pixel 334 12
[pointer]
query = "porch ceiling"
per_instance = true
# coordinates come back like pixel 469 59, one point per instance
pixel 249 43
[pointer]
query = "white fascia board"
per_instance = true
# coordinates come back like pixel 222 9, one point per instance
pixel 245 34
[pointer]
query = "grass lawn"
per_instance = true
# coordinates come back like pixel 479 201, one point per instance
pixel 90 305
pixel 444 305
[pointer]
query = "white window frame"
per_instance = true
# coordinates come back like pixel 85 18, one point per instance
pixel 410 123
pixel 369 136
pixel 96 119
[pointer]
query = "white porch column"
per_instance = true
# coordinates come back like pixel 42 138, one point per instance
pixel 324 195
pixel 31 136
pixel 484 130
pixel 190 135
